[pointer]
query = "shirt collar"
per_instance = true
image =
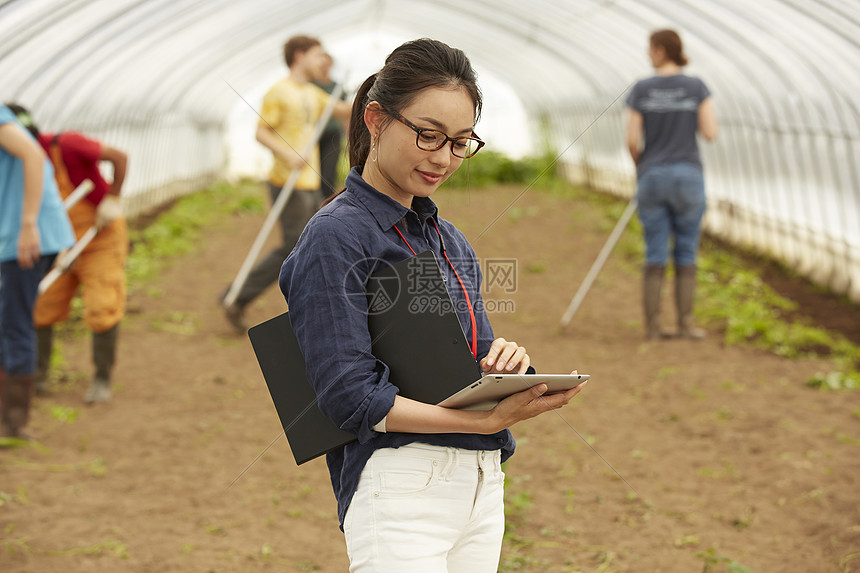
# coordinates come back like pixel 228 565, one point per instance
pixel 384 209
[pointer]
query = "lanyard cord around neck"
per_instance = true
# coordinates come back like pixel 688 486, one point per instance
pixel 462 286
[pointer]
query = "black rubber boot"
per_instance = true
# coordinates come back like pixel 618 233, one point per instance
pixel 44 346
pixel 15 401
pixel 234 313
pixel 652 286
pixel 104 356
pixel 685 287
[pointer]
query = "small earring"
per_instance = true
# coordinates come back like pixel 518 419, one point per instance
pixel 374 153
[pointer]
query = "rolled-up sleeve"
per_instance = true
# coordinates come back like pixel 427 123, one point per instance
pixel 324 281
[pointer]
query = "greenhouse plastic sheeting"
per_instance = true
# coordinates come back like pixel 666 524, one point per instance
pixel 159 78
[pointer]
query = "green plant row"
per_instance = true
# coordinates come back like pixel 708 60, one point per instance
pixel 176 231
pixel 489 168
pixel 753 314
pixel 731 296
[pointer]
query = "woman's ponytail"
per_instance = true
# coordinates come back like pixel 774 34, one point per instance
pixel 358 139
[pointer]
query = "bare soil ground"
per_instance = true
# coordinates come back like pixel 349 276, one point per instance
pixel 724 452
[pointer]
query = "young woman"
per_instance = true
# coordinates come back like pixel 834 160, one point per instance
pixel 33 229
pixel 669 109
pixel 422 488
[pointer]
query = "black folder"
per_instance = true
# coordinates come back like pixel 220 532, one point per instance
pixel 414 330
pixel 309 432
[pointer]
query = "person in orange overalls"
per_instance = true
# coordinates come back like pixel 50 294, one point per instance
pixel 100 268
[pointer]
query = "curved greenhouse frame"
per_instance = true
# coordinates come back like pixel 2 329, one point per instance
pixel 160 78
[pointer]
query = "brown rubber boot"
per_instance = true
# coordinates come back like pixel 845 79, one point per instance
pixel 17 395
pixel 104 356
pixel 685 287
pixel 652 286
pixel 44 346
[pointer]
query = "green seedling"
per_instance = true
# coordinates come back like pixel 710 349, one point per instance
pixel 522 501
pixel 177 322
pixel 64 414
pixel 835 381
pixel 687 541
pixel 713 563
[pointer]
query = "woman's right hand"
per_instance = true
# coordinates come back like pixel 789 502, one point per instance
pixel 528 404
pixel 28 246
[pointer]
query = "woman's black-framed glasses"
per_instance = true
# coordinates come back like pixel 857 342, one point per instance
pixel 434 140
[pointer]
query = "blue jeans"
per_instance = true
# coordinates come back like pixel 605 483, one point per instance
pixel 671 200
pixel 18 290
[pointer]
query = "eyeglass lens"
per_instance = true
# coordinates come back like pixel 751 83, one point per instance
pixel 431 140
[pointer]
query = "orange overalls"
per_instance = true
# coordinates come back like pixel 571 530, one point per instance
pixel 100 268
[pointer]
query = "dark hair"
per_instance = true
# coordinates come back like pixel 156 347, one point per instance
pixel 23 116
pixel 298 44
pixel 670 41
pixel 412 67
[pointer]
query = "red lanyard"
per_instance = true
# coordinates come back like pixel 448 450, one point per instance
pixel 462 286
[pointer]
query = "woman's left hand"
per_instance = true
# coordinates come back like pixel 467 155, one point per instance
pixel 505 357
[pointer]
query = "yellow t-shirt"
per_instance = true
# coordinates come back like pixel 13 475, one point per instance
pixel 293 109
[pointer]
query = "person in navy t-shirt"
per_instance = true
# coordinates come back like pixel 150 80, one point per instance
pixel 669 109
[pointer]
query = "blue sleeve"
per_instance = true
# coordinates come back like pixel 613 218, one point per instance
pixel 324 281
pixel 6 115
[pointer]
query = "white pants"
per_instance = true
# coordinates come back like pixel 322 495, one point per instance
pixel 422 508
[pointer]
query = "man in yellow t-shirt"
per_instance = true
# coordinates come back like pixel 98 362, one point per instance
pixel 291 110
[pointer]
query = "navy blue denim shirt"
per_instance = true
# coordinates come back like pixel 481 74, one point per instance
pixel 324 281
